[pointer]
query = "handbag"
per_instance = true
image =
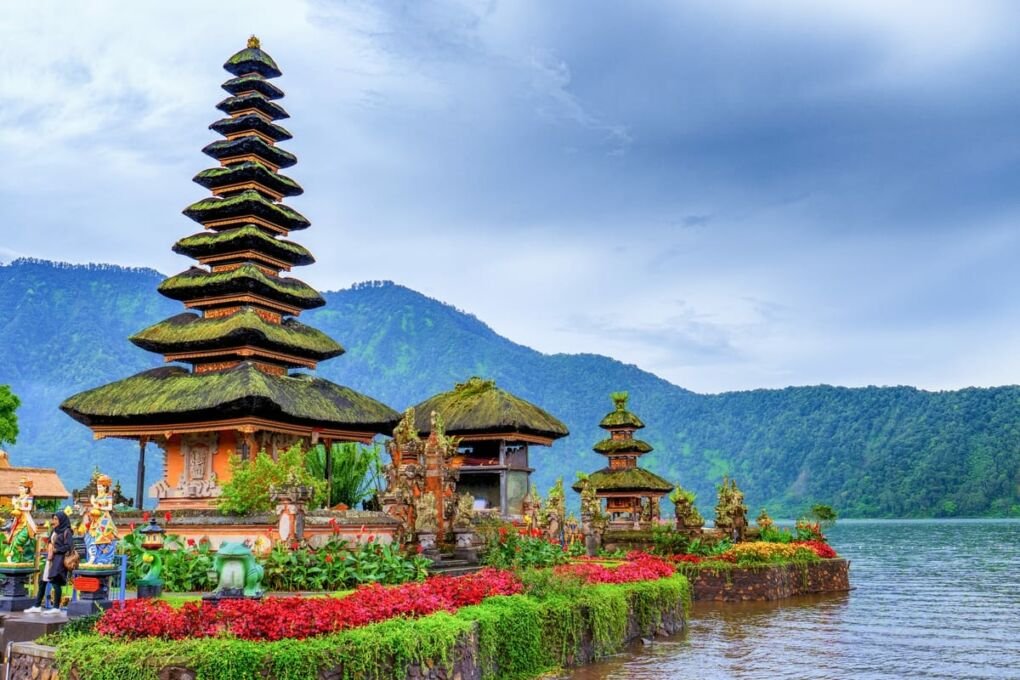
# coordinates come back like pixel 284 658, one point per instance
pixel 71 560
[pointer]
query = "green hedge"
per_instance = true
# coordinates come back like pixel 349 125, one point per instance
pixel 519 636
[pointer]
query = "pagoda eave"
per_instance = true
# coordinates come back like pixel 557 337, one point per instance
pixel 252 83
pixel 246 425
pixel 218 301
pixel 516 436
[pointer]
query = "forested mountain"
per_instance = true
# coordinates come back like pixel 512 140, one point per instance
pixel 872 451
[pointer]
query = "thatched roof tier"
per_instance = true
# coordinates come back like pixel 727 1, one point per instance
pixel 253 83
pixel 250 146
pixel 174 395
pixel 189 332
pixel 45 482
pixel 614 446
pixel 479 407
pixel 246 203
pixel 199 283
pixel 252 101
pixel 620 417
pixel 253 60
pixel 249 123
pixel 249 171
pixel 633 479
pixel 248 237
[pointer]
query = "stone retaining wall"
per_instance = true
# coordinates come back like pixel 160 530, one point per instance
pixel 769 583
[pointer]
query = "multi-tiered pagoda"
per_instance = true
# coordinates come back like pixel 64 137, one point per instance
pixel 240 344
pixel 632 494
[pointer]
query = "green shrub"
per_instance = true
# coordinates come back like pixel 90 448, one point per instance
pixel 247 492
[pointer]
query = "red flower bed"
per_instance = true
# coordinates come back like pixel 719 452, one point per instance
pixel 638 567
pixel 692 559
pixel 278 618
pixel 820 548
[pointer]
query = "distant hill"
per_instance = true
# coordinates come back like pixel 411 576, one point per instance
pixel 869 452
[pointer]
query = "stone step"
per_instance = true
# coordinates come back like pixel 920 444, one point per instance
pixel 455 571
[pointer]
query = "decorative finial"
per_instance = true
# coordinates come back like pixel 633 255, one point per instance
pixel 253 43
pixel 620 399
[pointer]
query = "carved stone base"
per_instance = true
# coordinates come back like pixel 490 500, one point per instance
pixel 149 590
pixel 92 601
pixel 14 591
pixel 464 549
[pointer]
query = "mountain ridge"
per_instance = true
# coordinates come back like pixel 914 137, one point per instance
pixel 869 451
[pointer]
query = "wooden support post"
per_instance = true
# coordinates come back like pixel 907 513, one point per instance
pixel 140 479
pixel 328 443
pixel 503 506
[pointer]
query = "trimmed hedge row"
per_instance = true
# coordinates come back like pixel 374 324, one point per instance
pixel 517 636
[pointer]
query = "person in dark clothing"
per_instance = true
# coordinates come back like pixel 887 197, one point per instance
pixel 61 543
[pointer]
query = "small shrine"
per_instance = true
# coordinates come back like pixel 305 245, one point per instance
pixel 232 389
pixel 494 431
pixel 632 494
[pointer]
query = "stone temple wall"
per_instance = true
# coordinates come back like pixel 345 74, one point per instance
pixel 769 583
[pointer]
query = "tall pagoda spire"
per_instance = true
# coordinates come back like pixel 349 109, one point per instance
pixel 241 340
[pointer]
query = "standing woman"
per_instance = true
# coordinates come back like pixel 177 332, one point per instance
pixel 61 543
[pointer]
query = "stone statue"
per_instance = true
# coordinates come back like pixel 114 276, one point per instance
pixel 730 511
pixel 238 574
pixel 688 520
pixel 20 545
pixel 465 512
pixel 100 531
pixel 425 520
pixel 405 478
pixel 764 521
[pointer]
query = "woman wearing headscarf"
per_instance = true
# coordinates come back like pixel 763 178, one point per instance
pixel 61 543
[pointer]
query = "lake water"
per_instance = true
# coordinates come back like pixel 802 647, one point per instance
pixel 931 599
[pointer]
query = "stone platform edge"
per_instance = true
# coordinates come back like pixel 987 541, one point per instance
pixel 776 582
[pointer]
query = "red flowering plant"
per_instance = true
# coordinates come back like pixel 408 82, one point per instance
pixel 511 547
pixel 820 548
pixel 278 618
pixel 639 566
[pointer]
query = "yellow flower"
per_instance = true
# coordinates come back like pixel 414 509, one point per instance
pixel 147 557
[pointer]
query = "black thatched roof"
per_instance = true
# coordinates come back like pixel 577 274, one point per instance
pixel 620 417
pixel 253 100
pixel 249 122
pixel 478 407
pixel 248 237
pixel 253 60
pixel 189 332
pixel 253 83
pixel 243 204
pixel 610 446
pixel 199 283
pixel 248 171
pixel 172 395
pixel 250 145
pixel 633 479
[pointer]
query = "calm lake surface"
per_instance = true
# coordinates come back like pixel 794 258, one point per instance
pixel 931 599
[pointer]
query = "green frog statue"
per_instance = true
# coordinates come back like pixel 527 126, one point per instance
pixel 239 575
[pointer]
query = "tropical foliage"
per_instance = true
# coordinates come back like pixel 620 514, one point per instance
pixel 9 403
pixel 356 471
pixel 248 490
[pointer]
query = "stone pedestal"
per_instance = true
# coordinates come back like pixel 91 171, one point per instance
pixel 14 595
pixel 96 596
pixel 149 590
pixel 427 542
pixel 464 548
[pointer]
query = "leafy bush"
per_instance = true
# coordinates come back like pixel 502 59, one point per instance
pixel 247 492
pixel 356 471
pixel 775 535
pixel 510 548
pixel 668 541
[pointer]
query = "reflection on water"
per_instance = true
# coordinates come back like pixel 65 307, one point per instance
pixel 931 599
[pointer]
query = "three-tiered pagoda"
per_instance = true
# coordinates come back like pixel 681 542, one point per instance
pixel 632 494
pixel 240 344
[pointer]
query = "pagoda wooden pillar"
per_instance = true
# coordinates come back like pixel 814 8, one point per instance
pixel 140 478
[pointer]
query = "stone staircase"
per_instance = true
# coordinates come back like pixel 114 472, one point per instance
pixel 448 565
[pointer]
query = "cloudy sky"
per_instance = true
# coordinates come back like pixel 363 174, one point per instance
pixel 730 194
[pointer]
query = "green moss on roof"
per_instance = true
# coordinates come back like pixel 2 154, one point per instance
pixel 248 171
pixel 620 416
pixel 253 83
pixel 478 406
pixel 634 479
pixel 197 282
pixel 173 395
pixel 246 203
pixel 250 144
pixel 249 236
pixel 622 446
pixel 249 122
pixel 253 100
pixel 252 60
pixel 191 332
